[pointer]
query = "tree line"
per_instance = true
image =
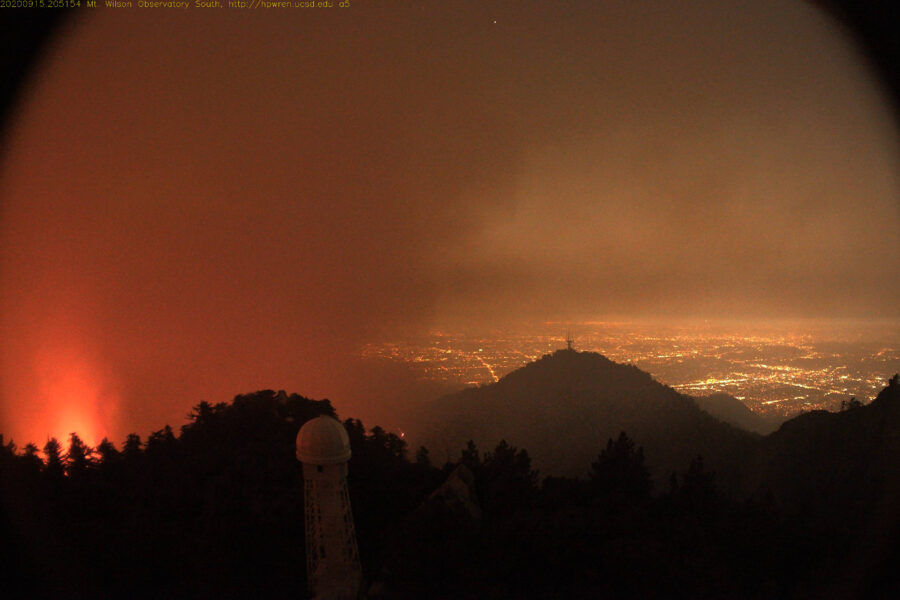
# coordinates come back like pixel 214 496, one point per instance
pixel 216 511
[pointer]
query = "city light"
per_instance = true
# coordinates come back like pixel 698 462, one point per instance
pixel 772 371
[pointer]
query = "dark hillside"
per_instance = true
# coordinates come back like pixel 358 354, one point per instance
pixel 565 406
pixel 217 510
pixel 841 473
pixel 729 409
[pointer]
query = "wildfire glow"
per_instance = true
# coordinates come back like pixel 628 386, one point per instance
pixel 71 396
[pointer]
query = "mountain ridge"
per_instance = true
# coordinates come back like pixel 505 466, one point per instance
pixel 583 399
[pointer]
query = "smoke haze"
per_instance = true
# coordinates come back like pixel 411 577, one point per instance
pixel 199 205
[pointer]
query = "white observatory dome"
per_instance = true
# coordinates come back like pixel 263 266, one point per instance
pixel 323 441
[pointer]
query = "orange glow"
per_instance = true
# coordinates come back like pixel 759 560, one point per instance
pixel 71 396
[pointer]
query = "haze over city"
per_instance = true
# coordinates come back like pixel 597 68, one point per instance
pixel 779 368
pixel 257 201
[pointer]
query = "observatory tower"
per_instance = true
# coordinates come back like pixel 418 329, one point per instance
pixel 332 558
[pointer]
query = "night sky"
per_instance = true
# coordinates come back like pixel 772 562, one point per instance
pixel 198 204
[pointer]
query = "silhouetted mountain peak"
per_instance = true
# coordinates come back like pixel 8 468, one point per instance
pixel 566 405
pixel 572 370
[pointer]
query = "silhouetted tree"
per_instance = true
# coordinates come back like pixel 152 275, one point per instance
pixel 202 414
pixel 78 459
pixel 161 442
pixel 389 446
pixel 357 434
pixel 470 457
pixel 132 447
pixel 54 468
pixel 697 491
pixel 851 404
pixel 505 479
pixel 107 452
pixel 31 460
pixel 7 450
pixel 619 475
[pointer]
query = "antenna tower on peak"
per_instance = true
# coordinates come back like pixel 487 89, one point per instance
pixel 569 340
